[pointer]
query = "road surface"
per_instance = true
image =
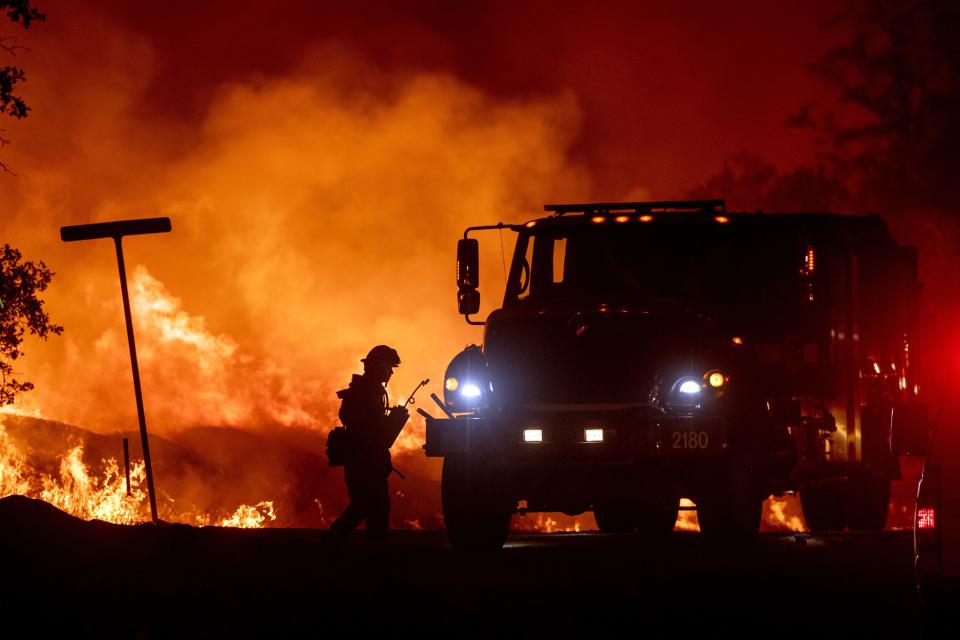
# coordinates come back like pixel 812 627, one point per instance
pixel 131 580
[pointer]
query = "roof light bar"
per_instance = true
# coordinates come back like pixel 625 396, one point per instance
pixel 606 208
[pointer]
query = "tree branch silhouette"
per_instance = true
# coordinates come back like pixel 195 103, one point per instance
pixel 23 13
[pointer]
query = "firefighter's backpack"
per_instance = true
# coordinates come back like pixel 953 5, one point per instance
pixel 338 445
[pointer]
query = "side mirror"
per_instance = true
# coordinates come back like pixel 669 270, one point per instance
pixel 468 301
pixel 468 264
pixel 468 276
pixel 910 430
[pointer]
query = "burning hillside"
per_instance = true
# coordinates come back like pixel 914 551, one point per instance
pixel 205 476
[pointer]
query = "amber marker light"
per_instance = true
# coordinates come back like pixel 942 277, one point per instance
pixel 451 384
pixel 531 223
pixel 716 379
pixel 622 218
pixel 598 219
pixel 722 219
pixel 646 218
pixel 737 340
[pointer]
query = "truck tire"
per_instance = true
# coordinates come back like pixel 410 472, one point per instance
pixel 730 518
pixel 654 516
pixel 824 508
pixel 476 512
pixel 615 517
pixel 868 500
pixel 732 509
pixel 657 517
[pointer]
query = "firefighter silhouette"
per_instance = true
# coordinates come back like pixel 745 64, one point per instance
pixel 371 428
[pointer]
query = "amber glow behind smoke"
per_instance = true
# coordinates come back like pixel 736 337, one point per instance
pixel 314 216
pixel 310 222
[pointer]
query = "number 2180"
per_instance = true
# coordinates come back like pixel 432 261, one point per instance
pixel 691 439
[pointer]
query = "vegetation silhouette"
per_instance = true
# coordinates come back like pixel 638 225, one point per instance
pixel 21 12
pixel 21 311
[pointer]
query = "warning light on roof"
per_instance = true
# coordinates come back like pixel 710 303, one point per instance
pixel 722 219
pixel 622 218
pixel 598 219
pixel 646 218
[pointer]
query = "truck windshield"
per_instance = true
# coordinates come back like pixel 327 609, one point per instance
pixel 699 265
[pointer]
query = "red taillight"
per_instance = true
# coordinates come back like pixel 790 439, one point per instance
pixel 928 501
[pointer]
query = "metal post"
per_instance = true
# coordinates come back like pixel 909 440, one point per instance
pixel 136 379
pixel 116 231
pixel 126 462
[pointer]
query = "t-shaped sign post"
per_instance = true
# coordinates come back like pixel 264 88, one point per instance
pixel 117 230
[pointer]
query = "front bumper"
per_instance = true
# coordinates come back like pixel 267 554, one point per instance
pixel 629 435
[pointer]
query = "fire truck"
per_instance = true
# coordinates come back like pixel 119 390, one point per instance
pixel 646 352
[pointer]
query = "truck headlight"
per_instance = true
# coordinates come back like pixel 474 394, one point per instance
pixel 689 387
pixel 470 390
pixel 466 380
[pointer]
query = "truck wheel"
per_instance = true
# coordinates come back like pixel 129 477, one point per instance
pixel 731 510
pixel 659 517
pixel 615 517
pixel 824 508
pixel 476 512
pixel 731 517
pixel 868 501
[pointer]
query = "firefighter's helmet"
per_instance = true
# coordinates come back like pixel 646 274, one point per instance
pixel 384 355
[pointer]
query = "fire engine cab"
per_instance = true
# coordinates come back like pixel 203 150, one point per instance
pixel 646 352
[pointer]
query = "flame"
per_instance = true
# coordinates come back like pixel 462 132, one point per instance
pixel 80 494
pixel 77 491
pixel 250 517
pixel 687 519
pixel 783 514
pixel 14 472
pixel 553 523
pixel 73 489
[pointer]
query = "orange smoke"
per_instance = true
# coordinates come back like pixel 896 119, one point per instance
pixel 314 215
pixel 309 225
